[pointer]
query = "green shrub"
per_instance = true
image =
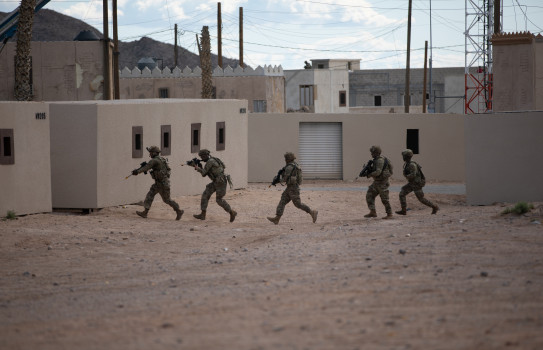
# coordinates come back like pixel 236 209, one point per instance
pixel 11 215
pixel 519 208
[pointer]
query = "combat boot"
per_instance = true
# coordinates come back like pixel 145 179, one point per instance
pixel 371 214
pixel 275 220
pixel 314 214
pixel 233 214
pixel 201 216
pixel 389 216
pixel 179 214
pixel 402 212
pixel 143 214
pixel 435 208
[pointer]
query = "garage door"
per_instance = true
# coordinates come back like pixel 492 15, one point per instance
pixel 321 153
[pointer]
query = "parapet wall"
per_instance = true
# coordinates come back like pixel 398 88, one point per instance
pixel 197 72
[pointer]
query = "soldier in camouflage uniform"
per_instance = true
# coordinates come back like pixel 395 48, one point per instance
pixel 416 181
pixel 214 168
pixel 381 171
pixel 160 172
pixel 292 176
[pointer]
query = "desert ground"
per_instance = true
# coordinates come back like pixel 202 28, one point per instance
pixel 465 278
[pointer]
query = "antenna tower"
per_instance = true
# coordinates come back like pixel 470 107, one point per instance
pixel 478 56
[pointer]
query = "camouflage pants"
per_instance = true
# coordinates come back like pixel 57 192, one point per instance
pixel 164 191
pixel 417 189
pixel 220 189
pixel 378 189
pixel 291 193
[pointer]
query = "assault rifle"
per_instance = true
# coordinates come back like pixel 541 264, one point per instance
pixel 194 162
pixel 277 178
pixel 141 166
pixel 366 169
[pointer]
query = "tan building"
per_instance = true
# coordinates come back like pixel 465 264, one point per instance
pixel 25 163
pixel 96 144
pixel 263 87
pixel 61 71
pixel 518 72
pixel 495 155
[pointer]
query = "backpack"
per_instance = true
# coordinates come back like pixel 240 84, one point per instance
pixel 390 167
pixel 299 176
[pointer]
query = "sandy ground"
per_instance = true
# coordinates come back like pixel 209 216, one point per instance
pixel 466 278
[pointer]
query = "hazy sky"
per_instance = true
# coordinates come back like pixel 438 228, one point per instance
pixel 289 32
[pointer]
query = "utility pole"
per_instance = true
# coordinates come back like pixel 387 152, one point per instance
pixel 107 79
pixel 424 83
pixel 117 95
pixel 497 19
pixel 175 47
pixel 407 69
pixel 219 34
pixel 431 107
pixel 241 37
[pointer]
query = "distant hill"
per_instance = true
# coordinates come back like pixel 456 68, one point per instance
pixel 50 25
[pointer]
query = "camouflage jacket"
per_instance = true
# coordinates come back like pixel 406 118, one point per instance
pixel 160 170
pixel 380 172
pixel 214 168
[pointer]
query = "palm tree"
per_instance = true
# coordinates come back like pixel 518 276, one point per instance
pixel 205 63
pixel 23 60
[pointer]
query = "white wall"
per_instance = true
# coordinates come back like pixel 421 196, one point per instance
pixel 91 152
pixel 441 142
pixel 503 158
pixel 26 184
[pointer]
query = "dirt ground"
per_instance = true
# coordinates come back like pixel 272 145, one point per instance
pixel 465 278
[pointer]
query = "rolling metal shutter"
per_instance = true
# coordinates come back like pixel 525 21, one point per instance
pixel 321 152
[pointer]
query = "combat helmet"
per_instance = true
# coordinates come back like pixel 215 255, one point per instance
pixel 203 152
pixel 289 157
pixel 376 150
pixel 153 149
pixel 407 153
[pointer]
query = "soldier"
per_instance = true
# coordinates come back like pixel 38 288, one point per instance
pixel 416 181
pixel 292 176
pixel 214 168
pixel 381 171
pixel 160 172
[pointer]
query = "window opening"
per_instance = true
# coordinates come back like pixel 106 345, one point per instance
pixel 412 141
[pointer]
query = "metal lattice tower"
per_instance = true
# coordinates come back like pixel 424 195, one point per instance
pixel 478 59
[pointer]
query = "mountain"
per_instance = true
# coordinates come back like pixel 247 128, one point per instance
pixel 50 25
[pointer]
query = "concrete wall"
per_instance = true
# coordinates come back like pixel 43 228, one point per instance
pixel 518 72
pixel 327 85
pixel 26 184
pixel 441 142
pixel 267 88
pixel 91 147
pixel 447 85
pixel 61 71
pixel 503 158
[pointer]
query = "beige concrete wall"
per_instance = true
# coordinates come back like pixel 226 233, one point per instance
pixel 61 71
pixel 441 142
pixel 503 158
pixel 98 137
pixel 538 76
pixel 268 88
pixel 26 184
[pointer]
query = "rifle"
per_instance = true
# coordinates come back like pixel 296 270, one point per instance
pixel 141 166
pixel 194 162
pixel 277 178
pixel 366 169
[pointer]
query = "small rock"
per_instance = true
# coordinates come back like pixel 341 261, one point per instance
pixel 401 251
pixel 484 274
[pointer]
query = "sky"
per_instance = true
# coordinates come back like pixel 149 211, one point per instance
pixel 287 33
